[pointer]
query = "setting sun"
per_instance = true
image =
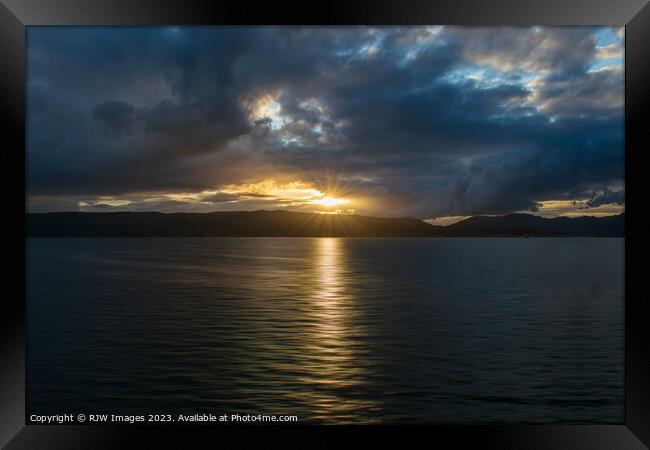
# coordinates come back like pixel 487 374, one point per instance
pixel 330 201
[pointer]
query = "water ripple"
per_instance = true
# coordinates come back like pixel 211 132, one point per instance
pixel 332 330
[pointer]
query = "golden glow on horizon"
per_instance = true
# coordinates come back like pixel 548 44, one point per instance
pixel 266 194
pixel 575 208
pixel 287 191
pixel 330 201
pixel 446 220
pixel 548 209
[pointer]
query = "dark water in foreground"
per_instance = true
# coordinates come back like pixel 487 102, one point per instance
pixel 333 330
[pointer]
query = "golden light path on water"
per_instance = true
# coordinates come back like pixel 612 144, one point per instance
pixel 332 351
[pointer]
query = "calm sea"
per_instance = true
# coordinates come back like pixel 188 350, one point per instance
pixel 331 330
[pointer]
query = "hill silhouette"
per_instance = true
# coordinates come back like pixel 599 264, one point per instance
pixel 286 223
pixel 528 224
pixel 236 223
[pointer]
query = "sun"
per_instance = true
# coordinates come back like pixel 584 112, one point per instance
pixel 328 201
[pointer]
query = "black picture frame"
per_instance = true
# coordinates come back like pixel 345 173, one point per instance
pixel 15 15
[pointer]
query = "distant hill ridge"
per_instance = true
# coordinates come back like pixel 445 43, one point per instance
pixel 608 226
pixel 287 223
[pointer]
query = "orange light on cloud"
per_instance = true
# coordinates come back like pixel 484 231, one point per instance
pixel 575 208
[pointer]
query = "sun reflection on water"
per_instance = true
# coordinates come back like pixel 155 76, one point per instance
pixel 334 373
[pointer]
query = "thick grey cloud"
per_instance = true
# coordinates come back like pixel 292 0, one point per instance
pixel 606 197
pixel 424 121
pixel 118 117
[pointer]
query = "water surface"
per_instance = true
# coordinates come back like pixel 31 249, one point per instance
pixel 333 330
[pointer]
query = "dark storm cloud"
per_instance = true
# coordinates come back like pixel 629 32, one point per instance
pixel 606 197
pixel 118 117
pixel 427 121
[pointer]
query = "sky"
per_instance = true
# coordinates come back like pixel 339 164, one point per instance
pixel 434 122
